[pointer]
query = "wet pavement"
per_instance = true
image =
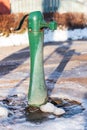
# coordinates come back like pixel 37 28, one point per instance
pixel 65 66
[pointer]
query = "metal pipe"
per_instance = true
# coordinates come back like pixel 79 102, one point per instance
pixel 37 94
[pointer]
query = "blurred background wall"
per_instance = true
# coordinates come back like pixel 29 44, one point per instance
pixel 49 5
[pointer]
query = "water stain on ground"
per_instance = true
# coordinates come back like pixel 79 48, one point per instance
pixel 20 112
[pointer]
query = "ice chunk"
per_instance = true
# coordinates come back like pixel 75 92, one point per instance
pixel 3 112
pixel 48 107
pixel 58 111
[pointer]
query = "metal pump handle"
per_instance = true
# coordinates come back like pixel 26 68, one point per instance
pixel 36 22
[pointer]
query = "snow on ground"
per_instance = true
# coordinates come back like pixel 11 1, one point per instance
pixel 14 39
pixel 77 121
pixel 63 35
pixel 49 36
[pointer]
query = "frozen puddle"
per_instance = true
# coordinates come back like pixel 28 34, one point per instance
pixel 20 115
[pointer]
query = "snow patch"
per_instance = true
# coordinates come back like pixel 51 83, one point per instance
pixel 50 108
pixel 49 36
pixel 3 112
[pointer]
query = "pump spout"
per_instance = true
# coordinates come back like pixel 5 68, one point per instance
pixel 21 22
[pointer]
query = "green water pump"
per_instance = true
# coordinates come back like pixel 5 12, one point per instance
pixel 37 94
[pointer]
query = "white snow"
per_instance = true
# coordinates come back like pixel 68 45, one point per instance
pixel 50 108
pixel 63 35
pixel 14 39
pixel 3 112
pixel 57 35
pixel 58 111
pixel 49 36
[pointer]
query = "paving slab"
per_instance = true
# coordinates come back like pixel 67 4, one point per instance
pixel 65 66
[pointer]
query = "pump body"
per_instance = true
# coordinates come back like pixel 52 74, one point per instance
pixel 37 94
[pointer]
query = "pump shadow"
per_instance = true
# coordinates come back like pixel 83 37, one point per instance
pixel 14 60
pixel 10 63
pixel 66 53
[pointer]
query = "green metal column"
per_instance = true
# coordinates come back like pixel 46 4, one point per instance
pixel 37 94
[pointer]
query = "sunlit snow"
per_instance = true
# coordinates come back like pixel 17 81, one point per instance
pixel 49 36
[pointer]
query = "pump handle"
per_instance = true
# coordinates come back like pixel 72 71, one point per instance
pixel 21 22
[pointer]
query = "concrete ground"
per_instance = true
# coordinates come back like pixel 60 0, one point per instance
pixel 65 66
